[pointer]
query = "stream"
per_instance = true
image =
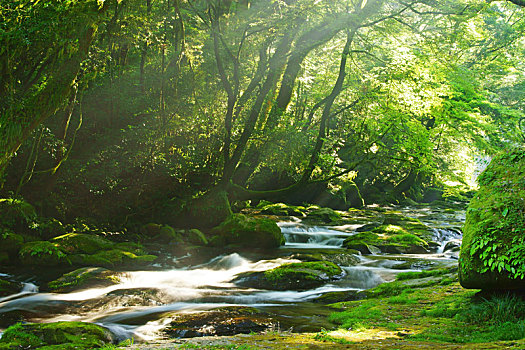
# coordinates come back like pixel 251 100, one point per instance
pixel 145 302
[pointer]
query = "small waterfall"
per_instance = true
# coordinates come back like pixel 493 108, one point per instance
pixel 443 236
pixel 300 236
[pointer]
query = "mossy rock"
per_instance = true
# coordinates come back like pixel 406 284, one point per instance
pixel 195 237
pixel 41 253
pixel 492 254
pixel 86 277
pixel 165 234
pixel 16 212
pixel 10 242
pixel 348 258
pixel 293 276
pixel 250 232
pixel 112 258
pixel 281 209
pixel 82 243
pixel 389 239
pixel 151 229
pixel 59 335
pixel 206 211
pixel 225 321
pixel 325 215
pixel 9 287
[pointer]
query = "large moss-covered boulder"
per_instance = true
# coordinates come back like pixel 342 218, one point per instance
pixel 293 276
pixel 322 215
pixel 59 335
pixel 206 211
pixel 492 254
pixel 85 277
pixel 250 232
pixel 388 239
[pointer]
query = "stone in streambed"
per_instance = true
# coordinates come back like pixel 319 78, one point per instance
pixel 249 232
pixel 83 278
pixel 9 287
pixel 219 322
pixel 59 335
pixel 293 276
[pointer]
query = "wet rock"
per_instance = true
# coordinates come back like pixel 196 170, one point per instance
pixel 337 297
pixel 219 322
pixel 391 239
pixel 63 335
pixel 342 259
pixel 112 258
pixel 452 246
pixel 250 232
pixel 83 278
pixel 324 215
pixel 293 276
pixel 281 209
pixel 492 255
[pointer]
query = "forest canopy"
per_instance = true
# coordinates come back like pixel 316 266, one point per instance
pixel 123 106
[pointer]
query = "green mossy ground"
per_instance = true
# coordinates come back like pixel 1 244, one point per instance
pixel 60 335
pixel 493 251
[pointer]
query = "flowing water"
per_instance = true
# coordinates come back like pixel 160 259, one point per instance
pixel 144 302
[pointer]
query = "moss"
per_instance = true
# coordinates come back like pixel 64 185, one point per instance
pixel 293 276
pixel 492 254
pixel 325 215
pixel 112 258
pixel 84 277
pixel 63 335
pixel 41 253
pixel 206 211
pixel 281 209
pixel 195 236
pixel 82 243
pixel 389 239
pixel 250 232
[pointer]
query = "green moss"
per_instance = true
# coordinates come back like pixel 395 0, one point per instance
pixel 325 215
pixel 421 274
pixel 60 335
pixel 492 255
pixel 82 243
pixel 41 253
pixel 309 270
pixel 281 209
pixel 389 238
pixel 112 258
pixel 251 232
pixel 84 277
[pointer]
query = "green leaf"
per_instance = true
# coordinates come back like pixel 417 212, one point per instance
pixel 505 212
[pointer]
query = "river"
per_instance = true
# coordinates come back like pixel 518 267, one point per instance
pixel 145 302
